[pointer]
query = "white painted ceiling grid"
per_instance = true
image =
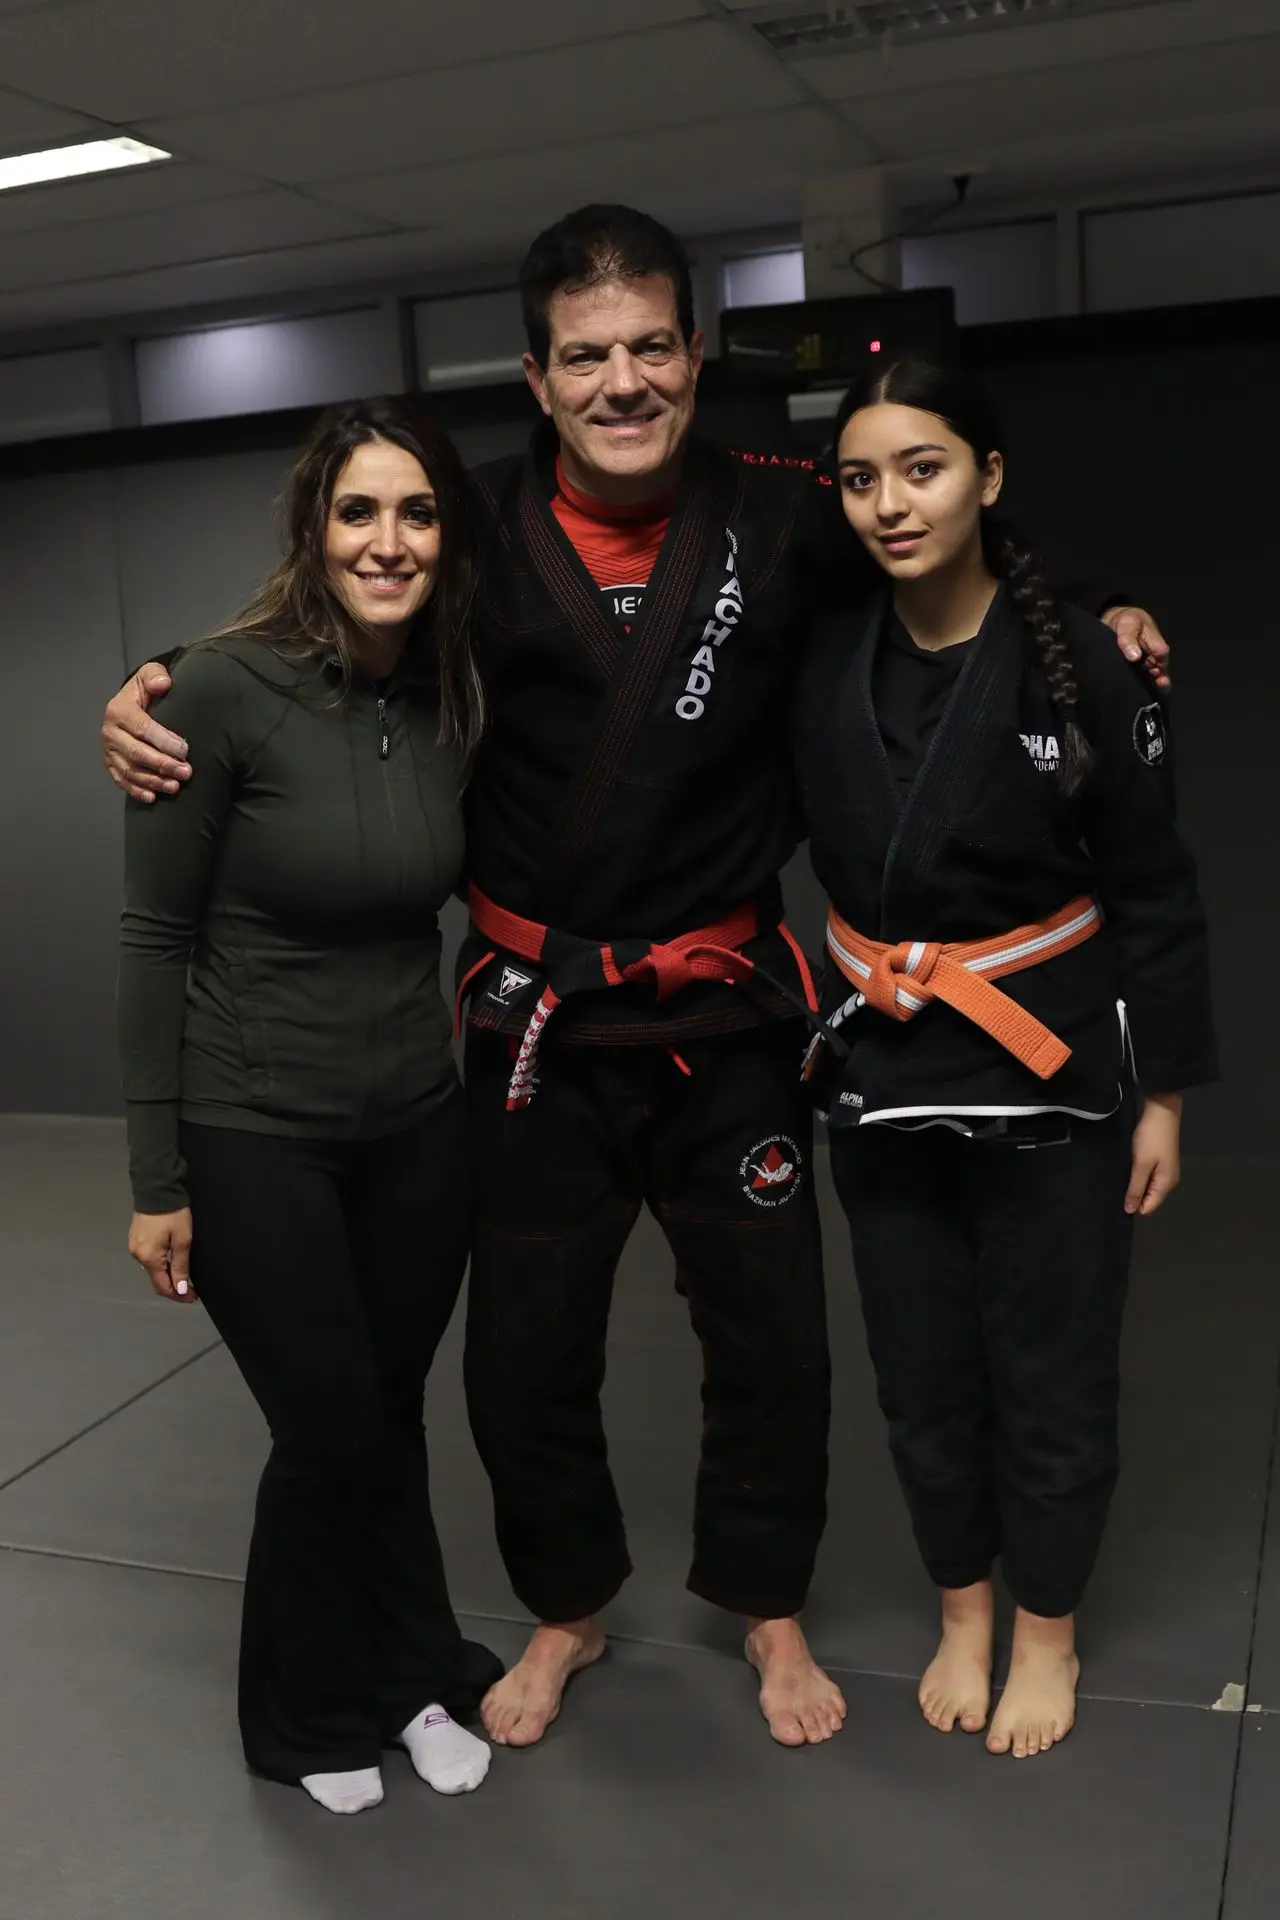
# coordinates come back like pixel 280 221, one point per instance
pixel 316 144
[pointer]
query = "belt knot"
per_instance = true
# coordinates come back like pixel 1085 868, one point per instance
pixel 912 962
pixel 667 966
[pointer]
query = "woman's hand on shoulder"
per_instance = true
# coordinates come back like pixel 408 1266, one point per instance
pixel 1157 1163
pixel 161 1242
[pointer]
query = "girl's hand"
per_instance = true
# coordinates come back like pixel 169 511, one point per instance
pixel 161 1242
pixel 1157 1165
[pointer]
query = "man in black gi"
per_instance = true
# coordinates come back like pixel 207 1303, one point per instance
pixel 644 597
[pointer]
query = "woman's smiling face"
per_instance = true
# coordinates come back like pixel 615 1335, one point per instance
pixel 382 536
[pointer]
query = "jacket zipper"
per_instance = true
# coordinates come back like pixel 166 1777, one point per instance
pixel 375 1020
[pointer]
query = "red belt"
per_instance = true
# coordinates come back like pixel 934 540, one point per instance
pixel 576 966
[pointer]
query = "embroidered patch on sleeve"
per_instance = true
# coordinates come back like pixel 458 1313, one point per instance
pixel 1149 735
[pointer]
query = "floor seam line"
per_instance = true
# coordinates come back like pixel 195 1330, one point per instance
pixel 119 1560
pixel 83 1433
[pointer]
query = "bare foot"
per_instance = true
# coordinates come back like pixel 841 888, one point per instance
pixel 518 1709
pixel 956 1688
pixel 1038 1707
pixel 802 1705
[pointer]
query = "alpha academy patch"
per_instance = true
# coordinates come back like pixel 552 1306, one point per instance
pixel 1043 748
pixel 771 1172
pixel 1149 734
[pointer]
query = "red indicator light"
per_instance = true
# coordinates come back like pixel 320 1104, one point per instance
pixel 875 346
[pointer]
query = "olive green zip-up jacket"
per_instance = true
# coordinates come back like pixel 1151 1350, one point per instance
pixel 279 947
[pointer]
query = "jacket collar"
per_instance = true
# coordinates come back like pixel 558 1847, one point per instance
pixel 961 751
pixel 278 666
pixel 689 549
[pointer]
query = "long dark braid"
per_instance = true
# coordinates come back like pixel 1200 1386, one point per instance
pixel 1018 564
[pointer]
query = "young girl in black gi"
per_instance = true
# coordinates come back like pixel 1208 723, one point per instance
pixel 1018 971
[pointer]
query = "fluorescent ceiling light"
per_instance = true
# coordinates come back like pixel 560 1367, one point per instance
pixel 67 163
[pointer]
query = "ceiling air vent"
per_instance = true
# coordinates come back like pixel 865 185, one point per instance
pixel 803 28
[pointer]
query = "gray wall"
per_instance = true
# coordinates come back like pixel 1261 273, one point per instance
pixel 100 570
pixel 1150 472
pixel 60 850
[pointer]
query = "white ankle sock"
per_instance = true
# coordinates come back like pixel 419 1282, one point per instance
pixel 444 1754
pixel 345 1792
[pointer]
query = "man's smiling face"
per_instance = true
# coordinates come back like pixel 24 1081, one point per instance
pixel 619 385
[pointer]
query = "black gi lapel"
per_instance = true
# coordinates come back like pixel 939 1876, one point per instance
pixel 697 519
pixel 575 594
pixel 960 749
pixel 859 732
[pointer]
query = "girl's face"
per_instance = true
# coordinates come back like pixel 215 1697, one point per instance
pixel 382 538
pixel 913 490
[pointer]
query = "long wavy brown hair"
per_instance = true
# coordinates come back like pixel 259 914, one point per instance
pixel 297 609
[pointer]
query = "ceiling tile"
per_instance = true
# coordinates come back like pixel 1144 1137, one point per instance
pixel 137 59
pixel 246 224
pixel 242 277
pixel 969 123
pixel 28 125
pixel 1109 159
pixel 711 156
pixel 692 209
pixel 107 196
pixel 656 80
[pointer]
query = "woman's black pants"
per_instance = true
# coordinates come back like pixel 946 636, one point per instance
pixel 330 1269
pixel 993 1278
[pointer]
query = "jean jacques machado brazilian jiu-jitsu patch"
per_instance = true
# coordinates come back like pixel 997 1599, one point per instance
pixel 771 1172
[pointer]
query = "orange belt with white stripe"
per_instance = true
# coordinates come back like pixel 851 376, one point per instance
pixel 901 980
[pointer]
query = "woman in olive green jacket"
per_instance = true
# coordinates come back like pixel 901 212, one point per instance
pixel 297 1145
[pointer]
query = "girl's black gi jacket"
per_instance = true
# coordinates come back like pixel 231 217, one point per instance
pixel 986 841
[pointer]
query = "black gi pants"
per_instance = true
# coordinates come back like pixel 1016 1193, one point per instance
pixel 723 1159
pixel 330 1270
pixel 993 1280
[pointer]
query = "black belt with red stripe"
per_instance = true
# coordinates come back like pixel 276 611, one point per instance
pixel 574 965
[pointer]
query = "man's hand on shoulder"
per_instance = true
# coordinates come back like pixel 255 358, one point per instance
pixel 142 757
pixel 1141 640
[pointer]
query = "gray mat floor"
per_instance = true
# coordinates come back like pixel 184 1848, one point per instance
pixel 128 1456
